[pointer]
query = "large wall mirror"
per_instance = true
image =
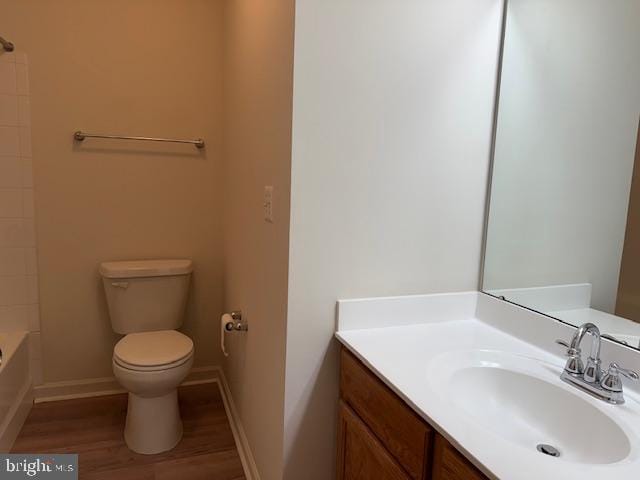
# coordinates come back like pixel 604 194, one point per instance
pixel 563 233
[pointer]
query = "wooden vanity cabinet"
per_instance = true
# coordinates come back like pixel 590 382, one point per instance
pixel 360 453
pixel 381 438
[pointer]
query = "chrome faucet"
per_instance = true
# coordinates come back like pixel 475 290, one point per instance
pixel 590 378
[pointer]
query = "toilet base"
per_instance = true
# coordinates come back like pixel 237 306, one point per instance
pixel 153 423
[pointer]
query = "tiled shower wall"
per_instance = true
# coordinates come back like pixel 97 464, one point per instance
pixel 18 267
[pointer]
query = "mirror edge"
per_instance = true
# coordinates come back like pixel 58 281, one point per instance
pixel 492 148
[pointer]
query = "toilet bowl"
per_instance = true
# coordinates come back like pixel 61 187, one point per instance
pixel 150 366
pixel 146 302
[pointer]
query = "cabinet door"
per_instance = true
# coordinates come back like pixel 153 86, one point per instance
pixel 449 464
pixel 360 455
pixel 398 428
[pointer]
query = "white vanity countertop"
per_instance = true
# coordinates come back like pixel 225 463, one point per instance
pixel 401 357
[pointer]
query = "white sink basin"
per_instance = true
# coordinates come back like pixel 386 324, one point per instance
pixel 521 400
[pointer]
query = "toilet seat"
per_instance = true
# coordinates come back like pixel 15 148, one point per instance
pixel 153 351
pixel 156 368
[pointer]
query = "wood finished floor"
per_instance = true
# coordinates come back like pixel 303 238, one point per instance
pixel 93 428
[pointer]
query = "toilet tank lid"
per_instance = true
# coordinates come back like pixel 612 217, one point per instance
pixel 145 268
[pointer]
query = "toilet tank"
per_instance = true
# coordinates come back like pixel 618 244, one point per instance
pixel 146 295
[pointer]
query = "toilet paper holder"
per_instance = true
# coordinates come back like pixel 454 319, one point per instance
pixel 231 322
pixel 236 323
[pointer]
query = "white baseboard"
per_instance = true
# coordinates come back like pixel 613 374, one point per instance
pixel 16 417
pixel 242 443
pixel 200 375
pixel 97 387
pixel 92 387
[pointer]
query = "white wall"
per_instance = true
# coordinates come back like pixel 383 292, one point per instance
pixel 568 122
pixel 393 106
pixel 19 308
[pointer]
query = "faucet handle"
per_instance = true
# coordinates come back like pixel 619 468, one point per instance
pixel 574 364
pixel 630 374
pixel 612 381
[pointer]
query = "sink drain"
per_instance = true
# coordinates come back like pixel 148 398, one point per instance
pixel 548 450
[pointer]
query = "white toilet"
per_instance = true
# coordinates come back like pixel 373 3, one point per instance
pixel 146 302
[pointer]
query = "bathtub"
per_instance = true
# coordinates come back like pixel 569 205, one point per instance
pixel 16 389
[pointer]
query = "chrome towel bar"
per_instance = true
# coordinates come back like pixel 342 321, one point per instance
pixel 80 136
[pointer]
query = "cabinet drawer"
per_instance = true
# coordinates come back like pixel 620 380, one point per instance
pixel 361 456
pixel 449 464
pixel 397 427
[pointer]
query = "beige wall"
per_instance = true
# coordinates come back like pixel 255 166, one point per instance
pixel 136 67
pixel 258 92
pixel 392 125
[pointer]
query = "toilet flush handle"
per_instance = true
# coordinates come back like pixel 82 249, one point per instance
pixel 123 285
